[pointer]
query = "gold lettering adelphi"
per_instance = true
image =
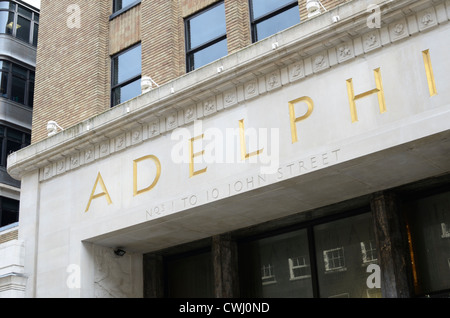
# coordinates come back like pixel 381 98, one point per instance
pixel 294 120
pixel 244 154
pixel 137 192
pixel 429 72
pixel 192 155
pixel 101 194
pixel 378 90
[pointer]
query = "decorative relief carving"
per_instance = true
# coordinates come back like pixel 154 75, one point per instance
pixel 89 155
pixel 153 129
pixel 47 172
pixel 251 89
pixel 75 161
pixel 345 52
pixel 427 19
pixel 398 30
pixel 172 121
pixel 60 166
pixel 296 71
pixel 371 41
pixel 104 149
pixel 136 136
pixel 320 62
pixel 230 98
pixel 209 106
pixel 189 114
pixel 273 80
pixel 120 142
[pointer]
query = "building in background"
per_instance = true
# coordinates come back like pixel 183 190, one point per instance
pixel 19 23
pixel 238 149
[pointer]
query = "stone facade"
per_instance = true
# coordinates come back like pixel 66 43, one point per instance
pixel 351 109
pixel 72 64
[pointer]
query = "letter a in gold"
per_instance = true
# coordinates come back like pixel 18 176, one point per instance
pixel 101 194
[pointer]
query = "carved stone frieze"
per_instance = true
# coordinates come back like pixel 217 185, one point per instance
pixel 261 82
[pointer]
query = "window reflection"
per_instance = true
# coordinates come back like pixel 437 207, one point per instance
pixel 207 26
pixel 429 224
pixel 23 32
pixel 269 17
pixel 209 54
pixel 126 92
pixel 290 265
pixel 206 37
pixel 126 75
pixel 19 22
pixel 277 266
pixel 344 250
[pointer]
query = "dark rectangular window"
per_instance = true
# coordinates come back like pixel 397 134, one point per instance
pixel 206 36
pixel 31 89
pixel 9 211
pixel 4 78
pixel 11 140
pixel 19 22
pixel 429 225
pixel 16 83
pixel 19 84
pixel 190 276
pixel 126 71
pixel 271 16
pixel 24 31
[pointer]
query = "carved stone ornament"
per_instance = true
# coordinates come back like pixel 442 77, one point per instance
pixel 230 98
pixel 209 106
pixel 251 89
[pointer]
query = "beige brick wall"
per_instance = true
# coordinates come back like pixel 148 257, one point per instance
pixel 10 236
pixel 162 40
pixel 125 30
pixel 238 25
pixel 73 65
pixel 188 7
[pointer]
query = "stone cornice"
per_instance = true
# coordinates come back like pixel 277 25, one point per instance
pixel 310 47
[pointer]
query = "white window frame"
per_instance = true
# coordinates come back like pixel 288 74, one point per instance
pixel 294 264
pixel 327 260
pixel 445 230
pixel 270 278
pixel 368 251
pixel 343 295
